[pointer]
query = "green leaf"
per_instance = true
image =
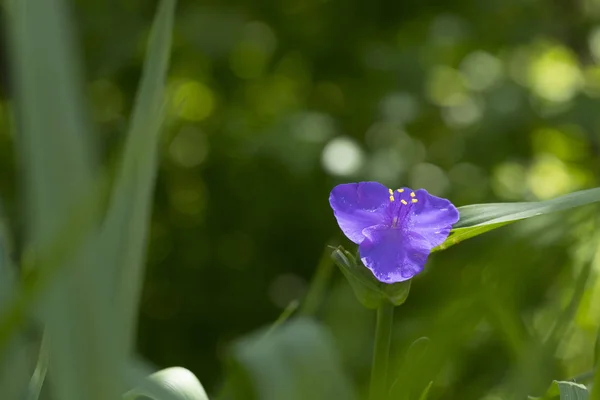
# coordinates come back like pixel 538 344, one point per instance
pixel 39 375
pixel 406 386
pixel 564 390
pixel 368 290
pixel 426 391
pixel 125 230
pixel 295 362
pixel 54 146
pixel 40 272
pixel 477 219
pixel 14 362
pixel 173 383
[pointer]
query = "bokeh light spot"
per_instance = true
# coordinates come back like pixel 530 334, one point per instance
pixel 400 108
pixel 509 180
pixel 481 70
pixel 464 113
pixel 567 145
pixel 342 156
pixel 554 74
pixel 594 43
pixel 549 177
pixel 192 101
pixel 445 86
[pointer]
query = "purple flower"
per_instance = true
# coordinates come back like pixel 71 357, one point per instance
pixel 395 229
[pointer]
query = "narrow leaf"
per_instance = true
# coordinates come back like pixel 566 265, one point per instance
pixel 406 386
pixel 55 149
pixel 425 393
pixel 477 219
pixel 126 226
pixel 14 361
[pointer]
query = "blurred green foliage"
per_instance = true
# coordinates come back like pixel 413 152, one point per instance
pixel 272 103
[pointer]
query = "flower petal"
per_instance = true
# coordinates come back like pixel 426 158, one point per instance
pixel 393 255
pixel 432 217
pixel 357 206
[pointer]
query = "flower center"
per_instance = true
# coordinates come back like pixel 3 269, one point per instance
pixel 398 208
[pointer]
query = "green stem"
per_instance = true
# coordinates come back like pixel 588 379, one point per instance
pixel 287 313
pixel 318 286
pixel 383 337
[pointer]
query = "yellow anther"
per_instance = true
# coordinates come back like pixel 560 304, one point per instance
pixel 400 190
pixel 391 192
pixel 403 202
pixel 414 200
pixel 412 194
pixel 391 198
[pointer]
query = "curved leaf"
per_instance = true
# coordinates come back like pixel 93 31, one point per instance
pixel 564 390
pixel 175 383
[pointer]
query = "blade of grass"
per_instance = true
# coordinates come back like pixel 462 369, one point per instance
pixel 59 168
pixel 14 363
pixel 126 226
pixel 49 264
pixel 318 285
pixel 39 375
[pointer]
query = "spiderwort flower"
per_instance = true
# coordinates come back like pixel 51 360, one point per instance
pixel 395 229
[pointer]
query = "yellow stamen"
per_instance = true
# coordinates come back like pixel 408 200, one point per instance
pixel 403 202
pixel 414 200
pixel 412 194
pixel 400 190
pixel 391 192
pixel 391 198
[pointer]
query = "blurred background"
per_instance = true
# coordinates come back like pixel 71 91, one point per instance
pixel 272 103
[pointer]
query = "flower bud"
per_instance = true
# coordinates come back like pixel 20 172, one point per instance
pixel 369 291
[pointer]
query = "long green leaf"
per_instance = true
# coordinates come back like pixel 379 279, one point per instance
pixel 125 230
pixel 477 219
pixel 49 264
pixel 59 169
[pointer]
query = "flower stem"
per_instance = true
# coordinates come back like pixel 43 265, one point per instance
pixel 383 336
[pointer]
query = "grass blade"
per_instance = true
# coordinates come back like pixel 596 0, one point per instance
pixel 126 225
pixel 14 362
pixel 54 144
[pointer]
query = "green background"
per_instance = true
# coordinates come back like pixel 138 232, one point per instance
pixel 272 103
